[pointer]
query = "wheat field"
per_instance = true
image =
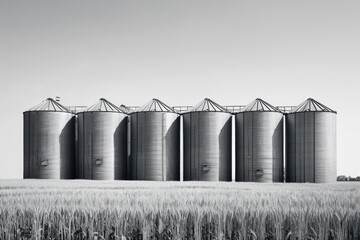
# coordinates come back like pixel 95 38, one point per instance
pixel 76 209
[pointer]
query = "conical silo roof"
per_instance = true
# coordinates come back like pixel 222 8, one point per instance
pixel 49 105
pixel 259 105
pixel 208 105
pixel 155 105
pixel 104 105
pixel 311 105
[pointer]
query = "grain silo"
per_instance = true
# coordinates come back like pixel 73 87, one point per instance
pixel 207 143
pixel 49 141
pixel 259 143
pixel 102 142
pixel 155 143
pixel 311 143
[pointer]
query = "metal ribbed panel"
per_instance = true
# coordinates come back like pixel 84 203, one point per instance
pixel 49 145
pixel 325 151
pixel 102 143
pixel 290 165
pixel 308 155
pixel 155 146
pixel 26 156
pixel 311 147
pixel 259 146
pixel 207 146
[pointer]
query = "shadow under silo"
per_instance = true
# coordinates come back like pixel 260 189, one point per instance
pixel 225 153
pixel 120 150
pixel 278 152
pixel 67 150
pixel 172 154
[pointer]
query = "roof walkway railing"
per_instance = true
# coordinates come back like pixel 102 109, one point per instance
pixel 181 109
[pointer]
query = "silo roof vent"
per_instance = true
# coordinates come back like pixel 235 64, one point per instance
pixel 155 105
pixel 311 105
pixel 208 105
pixel 259 105
pixel 104 105
pixel 49 105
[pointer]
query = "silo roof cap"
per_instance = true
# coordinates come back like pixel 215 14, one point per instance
pixel 311 105
pixel 207 105
pixel 104 105
pixel 259 105
pixel 155 105
pixel 49 105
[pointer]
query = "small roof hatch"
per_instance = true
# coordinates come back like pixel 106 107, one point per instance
pixel 125 109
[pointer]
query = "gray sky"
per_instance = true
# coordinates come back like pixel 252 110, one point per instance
pixel 180 52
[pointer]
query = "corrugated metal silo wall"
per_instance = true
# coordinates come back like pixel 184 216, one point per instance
pixel 207 146
pixel 259 147
pixel 155 146
pixel 49 145
pixel 311 147
pixel 102 146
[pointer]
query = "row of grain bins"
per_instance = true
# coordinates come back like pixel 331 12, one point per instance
pixel 107 142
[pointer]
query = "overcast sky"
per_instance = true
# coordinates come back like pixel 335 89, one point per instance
pixel 180 52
